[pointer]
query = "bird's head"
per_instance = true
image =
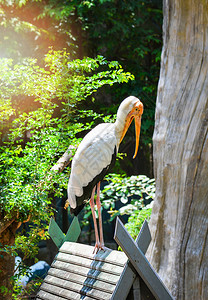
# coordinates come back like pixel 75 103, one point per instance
pixel 129 109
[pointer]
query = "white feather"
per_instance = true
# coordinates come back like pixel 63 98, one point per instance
pixel 95 151
pixel 93 155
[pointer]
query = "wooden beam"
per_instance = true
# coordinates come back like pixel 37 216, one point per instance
pixel 144 237
pixel 136 289
pixel 55 233
pixel 129 274
pixel 140 263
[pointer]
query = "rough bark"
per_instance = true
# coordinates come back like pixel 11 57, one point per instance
pixel 179 250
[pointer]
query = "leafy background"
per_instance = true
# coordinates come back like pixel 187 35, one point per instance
pixel 65 66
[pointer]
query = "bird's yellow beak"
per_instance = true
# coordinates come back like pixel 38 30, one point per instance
pixel 135 113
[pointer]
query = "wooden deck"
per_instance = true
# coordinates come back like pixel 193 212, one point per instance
pixel 77 273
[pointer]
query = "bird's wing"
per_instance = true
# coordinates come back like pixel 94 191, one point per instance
pixel 93 155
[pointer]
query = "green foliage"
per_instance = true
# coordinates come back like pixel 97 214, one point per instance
pixel 31 289
pixel 59 86
pixel 39 98
pixel 136 220
pixel 43 121
pixel 130 32
pixel 131 196
pixel 135 189
pixel 135 195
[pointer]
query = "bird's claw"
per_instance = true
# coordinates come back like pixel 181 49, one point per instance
pixel 98 247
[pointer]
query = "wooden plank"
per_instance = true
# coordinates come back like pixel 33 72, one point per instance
pixel 106 277
pixel 77 288
pixel 43 295
pixel 74 231
pixel 59 237
pixel 48 296
pixel 110 256
pixel 49 292
pixel 144 237
pixel 52 291
pixel 124 284
pixel 55 233
pixel 140 263
pixel 136 289
pixel 84 280
pixel 128 275
pixel 91 264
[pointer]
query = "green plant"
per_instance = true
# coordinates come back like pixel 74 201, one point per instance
pixel 130 32
pixel 43 121
pixel 135 195
pixel 28 292
pixel 137 218
pixel 133 192
pixel 131 196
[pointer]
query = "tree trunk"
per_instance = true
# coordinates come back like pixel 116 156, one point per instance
pixel 7 262
pixel 179 223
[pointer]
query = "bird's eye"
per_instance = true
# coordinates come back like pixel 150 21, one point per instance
pixel 136 109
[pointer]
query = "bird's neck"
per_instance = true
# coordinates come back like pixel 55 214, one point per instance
pixel 119 126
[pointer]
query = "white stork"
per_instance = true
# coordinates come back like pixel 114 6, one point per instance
pixel 95 156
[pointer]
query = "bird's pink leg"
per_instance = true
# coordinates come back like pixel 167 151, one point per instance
pixel 100 217
pixel 92 205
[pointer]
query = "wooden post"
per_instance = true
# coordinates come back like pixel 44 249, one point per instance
pixel 128 275
pixel 140 263
pixel 136 289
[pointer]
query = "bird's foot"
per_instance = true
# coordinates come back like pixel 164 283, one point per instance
pixel 98 247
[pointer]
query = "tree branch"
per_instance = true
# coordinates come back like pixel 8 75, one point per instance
pixel 6 222
pixel 64 160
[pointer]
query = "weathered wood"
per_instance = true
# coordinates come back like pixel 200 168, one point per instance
pixel 140 263
pixel 136 289
pixel 64 160
pixel 51 292
pixel 56 233
pixel 125 283
pixel 76 270
pixel 77 273
pixel 90 263
pixel 85 271
pixel 48 296
pixel 179 218
pixel 113 257
pixel 128 275
pixel 95 283
pixel 144 238
pixel 76 287
pixel 73 232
